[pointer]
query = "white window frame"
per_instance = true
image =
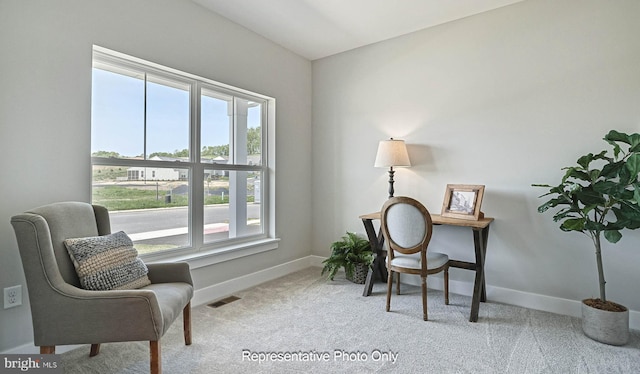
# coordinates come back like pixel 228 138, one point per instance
pixel 199 254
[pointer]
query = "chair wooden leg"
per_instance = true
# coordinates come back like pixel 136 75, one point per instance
pixel 47 349
pixel 186 323
pixel 398 285
pixel 95 349
pixel 424 299
pixel 389 289
pixel 156 359
pixel 446 286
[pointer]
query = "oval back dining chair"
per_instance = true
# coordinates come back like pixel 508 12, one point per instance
pixel 406 225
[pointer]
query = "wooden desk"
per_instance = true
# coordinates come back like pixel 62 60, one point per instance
pixel 480 229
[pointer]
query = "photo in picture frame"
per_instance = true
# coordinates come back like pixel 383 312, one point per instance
pixel 463 201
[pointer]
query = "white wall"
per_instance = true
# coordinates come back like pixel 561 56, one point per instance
pixel 45 96
pixel 505 99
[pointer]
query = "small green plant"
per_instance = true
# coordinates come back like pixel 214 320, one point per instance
pixel 352 249
pixel 601 195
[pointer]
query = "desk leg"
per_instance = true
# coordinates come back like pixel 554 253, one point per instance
pixel 378 266
pixel 485 239
pixel 368 284
pixel 480 237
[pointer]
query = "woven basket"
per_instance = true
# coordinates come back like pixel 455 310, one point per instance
pixel 359 274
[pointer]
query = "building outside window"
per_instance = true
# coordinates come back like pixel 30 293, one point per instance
pixel 180 161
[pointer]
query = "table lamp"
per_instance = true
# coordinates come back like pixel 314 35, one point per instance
pixel 392 153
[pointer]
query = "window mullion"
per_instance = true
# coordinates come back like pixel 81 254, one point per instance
pixel 144 147
pixel 196 218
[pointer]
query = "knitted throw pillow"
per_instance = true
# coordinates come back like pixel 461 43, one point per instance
pixel 108 262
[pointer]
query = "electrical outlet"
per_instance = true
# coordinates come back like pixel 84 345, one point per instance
pixel 12 296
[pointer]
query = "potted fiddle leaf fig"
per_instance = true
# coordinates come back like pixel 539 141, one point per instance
pixel 351 252
pixel 599 197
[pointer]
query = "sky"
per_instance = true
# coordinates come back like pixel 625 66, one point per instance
pixel 118 116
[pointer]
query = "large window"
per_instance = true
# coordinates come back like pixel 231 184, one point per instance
pixel 180 161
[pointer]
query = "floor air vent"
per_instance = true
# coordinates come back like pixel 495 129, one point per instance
pixel 224 301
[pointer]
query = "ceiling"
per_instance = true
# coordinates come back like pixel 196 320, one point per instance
pixel 318 28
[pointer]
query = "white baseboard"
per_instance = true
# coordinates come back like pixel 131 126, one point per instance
pixel 226 288
pixel 496 294
pixel 528 300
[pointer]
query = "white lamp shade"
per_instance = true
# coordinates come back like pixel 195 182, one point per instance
pixel 392 153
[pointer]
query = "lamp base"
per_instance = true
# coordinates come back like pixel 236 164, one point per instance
pixel 391 181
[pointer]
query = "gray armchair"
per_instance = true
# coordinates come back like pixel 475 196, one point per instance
pixel 63 313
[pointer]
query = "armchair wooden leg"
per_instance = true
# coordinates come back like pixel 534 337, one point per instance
pixel 47 349
pixel 95 349
pixel 156 359
pixel 186 322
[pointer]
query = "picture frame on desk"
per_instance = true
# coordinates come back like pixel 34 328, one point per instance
pixel 463 201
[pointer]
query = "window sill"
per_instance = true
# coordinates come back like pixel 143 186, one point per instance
pixel 215 256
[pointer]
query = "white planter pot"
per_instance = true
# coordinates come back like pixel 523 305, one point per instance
pixel 604 326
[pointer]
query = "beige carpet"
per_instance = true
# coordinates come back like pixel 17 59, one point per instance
pixel 303 324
